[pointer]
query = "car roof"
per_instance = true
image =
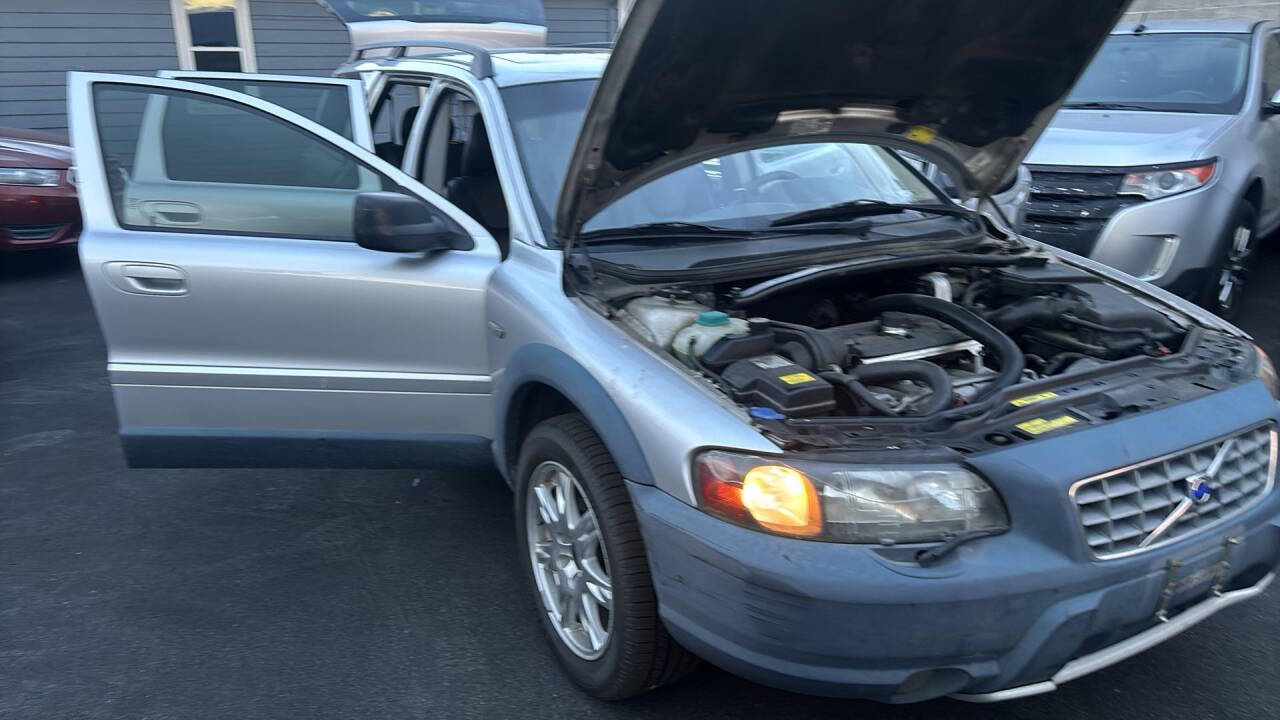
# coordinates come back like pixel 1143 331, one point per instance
pixel 520 66
pixel 1216 25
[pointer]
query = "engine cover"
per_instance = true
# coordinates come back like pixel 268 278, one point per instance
pixel 901 336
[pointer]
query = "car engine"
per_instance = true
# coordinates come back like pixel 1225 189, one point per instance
pixel 909 345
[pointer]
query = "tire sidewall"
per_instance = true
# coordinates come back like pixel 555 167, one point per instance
pixel 550 442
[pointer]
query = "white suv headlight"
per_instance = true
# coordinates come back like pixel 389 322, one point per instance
pixel 1155 184
pixel 28 176
pixel 844 503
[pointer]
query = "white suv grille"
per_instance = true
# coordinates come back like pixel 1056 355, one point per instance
pixel 1121 511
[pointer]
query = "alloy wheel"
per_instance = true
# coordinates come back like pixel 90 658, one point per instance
pixel 570 565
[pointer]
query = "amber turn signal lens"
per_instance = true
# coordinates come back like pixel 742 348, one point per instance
pixel 782 499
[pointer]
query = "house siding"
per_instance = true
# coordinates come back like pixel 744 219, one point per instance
pixel 580 21
pixel 1183 9
pixel 297 37
pixel 44 40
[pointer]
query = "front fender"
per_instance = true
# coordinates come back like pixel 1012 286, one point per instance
pixel 539 363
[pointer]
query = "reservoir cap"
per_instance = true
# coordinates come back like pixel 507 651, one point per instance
pixel 764 413
pixel 712 318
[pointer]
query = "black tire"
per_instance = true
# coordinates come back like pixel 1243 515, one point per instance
pixel 1233 263
pixel 639 654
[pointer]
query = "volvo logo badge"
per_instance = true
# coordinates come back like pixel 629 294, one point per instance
pixel 1199 490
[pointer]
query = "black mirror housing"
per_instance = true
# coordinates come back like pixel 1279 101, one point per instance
pixel 392 222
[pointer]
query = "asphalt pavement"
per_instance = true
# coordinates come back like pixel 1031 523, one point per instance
pixel 372 594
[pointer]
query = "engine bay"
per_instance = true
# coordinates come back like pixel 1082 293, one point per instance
pixel 952 349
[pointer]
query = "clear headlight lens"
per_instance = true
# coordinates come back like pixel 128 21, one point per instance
pixel 842 503
pixel 1155 184
pixel 1266 372
pixel 28 176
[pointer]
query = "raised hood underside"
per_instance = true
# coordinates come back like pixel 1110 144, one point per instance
pixel 967 83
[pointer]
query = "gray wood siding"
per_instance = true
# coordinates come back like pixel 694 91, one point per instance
pixel 41 40
pixel 580 21
pixel 297 37
pixel 44 39
pixel 1183 9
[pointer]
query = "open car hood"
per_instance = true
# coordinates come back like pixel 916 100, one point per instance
pixel 968 84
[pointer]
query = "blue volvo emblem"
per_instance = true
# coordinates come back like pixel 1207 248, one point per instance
pixel 1198 488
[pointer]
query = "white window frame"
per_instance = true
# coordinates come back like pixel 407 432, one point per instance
pixel 244 35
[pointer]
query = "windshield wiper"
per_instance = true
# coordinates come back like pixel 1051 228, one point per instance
pixel 1103 106
pixel 663 228
pixel 864 208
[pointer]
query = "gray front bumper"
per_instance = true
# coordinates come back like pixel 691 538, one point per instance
pixel 1166 241
pixel 1001 617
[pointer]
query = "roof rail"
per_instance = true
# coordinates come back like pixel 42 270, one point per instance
pixel 481 62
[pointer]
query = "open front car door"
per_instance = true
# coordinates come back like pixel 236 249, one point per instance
pixel 271 292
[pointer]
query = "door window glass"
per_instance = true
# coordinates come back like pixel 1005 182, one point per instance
pixel 328 105
pixel 214 35
pixel 181 160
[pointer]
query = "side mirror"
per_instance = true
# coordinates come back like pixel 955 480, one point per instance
pixel 392 222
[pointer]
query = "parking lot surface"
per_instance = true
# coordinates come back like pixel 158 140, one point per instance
pixel 372 594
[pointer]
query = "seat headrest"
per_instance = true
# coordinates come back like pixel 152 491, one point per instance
pixel 477 156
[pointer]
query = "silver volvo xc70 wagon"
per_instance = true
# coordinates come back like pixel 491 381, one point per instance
pixel 765 395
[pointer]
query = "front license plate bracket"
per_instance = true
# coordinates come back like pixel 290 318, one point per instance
pixel 1174 584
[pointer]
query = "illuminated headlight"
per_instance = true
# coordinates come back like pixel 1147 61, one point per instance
pixel 1155 184
pixel 843 503
pixel 28 176
pixel 1265 371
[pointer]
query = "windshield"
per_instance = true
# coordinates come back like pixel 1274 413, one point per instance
pixel 742 191
pixel 1171 73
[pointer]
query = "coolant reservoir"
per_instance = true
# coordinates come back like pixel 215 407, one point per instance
pixel 696 339
pixel 659 319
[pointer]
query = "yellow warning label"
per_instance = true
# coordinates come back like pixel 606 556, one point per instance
pixel 1032 399
pixel 1039 426
pixel 922 134
pixel 796 378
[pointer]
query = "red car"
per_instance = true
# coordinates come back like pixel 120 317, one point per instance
pixel 38 204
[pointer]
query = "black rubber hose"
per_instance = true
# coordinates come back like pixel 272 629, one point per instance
pixel 1003 349
pixel 859 392
pixel 925 373
pixel 1043 310
pixel 818 347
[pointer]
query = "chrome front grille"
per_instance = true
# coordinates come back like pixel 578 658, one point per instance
pixel 1069 207
pixel 1122 510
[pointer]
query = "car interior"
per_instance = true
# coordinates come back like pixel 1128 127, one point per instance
pixel 457 162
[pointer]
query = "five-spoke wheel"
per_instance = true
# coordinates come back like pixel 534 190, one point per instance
pixel 570 565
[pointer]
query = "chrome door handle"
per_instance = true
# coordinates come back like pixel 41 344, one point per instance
pixel 147 278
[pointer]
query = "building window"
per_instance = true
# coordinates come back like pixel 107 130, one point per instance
pixel 214 35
